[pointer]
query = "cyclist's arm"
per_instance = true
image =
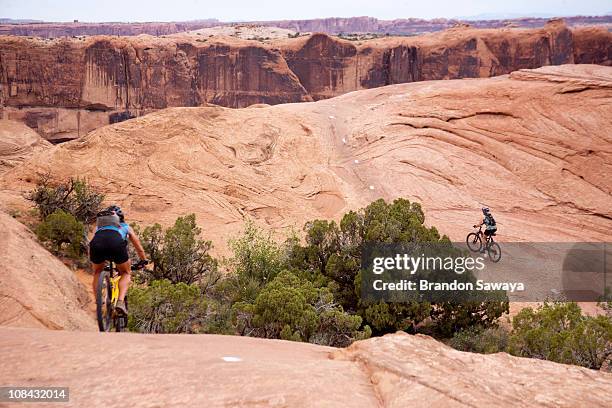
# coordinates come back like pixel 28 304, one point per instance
pixel 137 245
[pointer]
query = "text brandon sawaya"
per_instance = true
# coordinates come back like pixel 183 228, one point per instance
pixel 412 265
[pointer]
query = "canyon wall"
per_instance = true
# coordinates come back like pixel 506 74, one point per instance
pixel 54 30
pixel 413 26
pixel 333 25
pixel 65 88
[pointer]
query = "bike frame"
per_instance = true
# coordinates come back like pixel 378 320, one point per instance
pixel 487 239
pixel 114 278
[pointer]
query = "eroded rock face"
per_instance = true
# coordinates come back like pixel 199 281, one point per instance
pixel 18 142
pixel 65 88
pixel 408 370
pixel 533 145
pixel 36 289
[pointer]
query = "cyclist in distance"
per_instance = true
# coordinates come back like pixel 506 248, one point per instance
pixel 110 244
pixel 490 225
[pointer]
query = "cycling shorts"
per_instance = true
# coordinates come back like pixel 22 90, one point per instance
pixel 108 245
pixel 488 232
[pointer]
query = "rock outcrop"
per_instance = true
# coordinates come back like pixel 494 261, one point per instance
pixel 17 142
pixel 396 370
pixel 65 88
pixel 36 289
pixel 534 145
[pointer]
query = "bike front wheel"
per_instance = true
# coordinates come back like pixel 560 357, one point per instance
pixel 494 252
pixel 104 308
pixel 473 242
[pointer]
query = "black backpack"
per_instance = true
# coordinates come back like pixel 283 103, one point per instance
pixel 489 220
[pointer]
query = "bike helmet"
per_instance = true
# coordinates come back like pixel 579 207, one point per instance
pixel 117 210
pixel 486 211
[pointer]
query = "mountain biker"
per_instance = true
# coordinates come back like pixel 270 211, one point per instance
pixel 110 244
pixel 490 225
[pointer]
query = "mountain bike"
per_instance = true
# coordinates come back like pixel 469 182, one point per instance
pixel 107 294
pixel 474 242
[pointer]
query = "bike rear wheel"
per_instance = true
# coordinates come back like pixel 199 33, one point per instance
pixel 474 242
pixel 494 252
pixel 122 320
pixel 104 308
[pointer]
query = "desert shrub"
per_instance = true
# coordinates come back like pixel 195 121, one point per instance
pixel 256 254
pixel 163 307
pixel 74 196
pixel 334 251
pixel 286 301
pixel 291 308
pixel 308 290
pixel 336 327
pixel 62 232
pixel 256 260
pixel 475 339
pixel 558 331
pixel 220 317
pixel 178 254
pixel 448 318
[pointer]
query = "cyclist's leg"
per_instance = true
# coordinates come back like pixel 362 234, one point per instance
pixel 97 258
pixel 485 241
pixel 97 268
pixel 125 270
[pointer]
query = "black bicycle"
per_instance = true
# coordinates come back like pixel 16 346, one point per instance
pixel 474 242
pixel 107 294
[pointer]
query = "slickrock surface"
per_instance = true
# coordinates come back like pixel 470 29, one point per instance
pixel 36 289
pixel 67 87
pixel 535 146
pixel 17 142
pixel 396 370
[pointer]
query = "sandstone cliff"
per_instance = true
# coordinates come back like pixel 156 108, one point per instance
pixel 66 88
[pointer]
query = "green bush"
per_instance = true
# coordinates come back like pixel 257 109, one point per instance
pixel 74 196
pixel 63 233
pixel 256 261
pixel 307 291
pixel 334 252
pixel 291 308
pixel 163 307
pixel 178 254
pixel 475 339
pixel 559 332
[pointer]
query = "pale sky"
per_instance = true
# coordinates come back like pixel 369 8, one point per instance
pixel 251 10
